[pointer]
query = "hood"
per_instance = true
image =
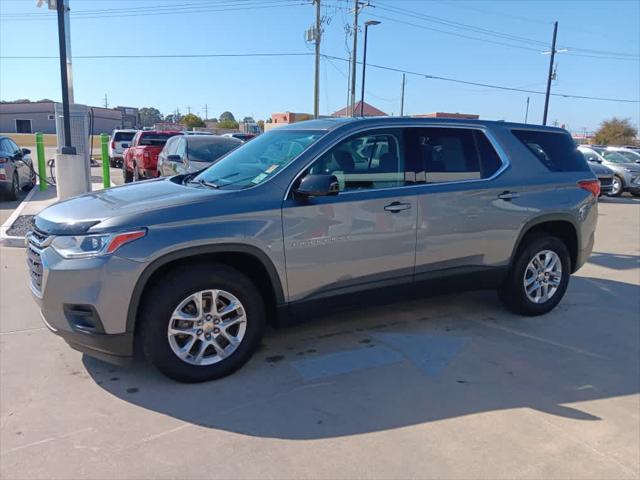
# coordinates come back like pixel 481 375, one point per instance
pixel 78 214
pixel 600 169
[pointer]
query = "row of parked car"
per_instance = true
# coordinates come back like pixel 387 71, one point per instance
pixel 617 168
pixel 144 154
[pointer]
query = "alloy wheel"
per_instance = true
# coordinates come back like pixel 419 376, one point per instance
pixel 616 186
pixel 206 327
pixel 542 276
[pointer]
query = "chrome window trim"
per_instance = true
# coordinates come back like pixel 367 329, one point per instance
pixel 502 155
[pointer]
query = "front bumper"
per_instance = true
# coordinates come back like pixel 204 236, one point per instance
pixel 85 301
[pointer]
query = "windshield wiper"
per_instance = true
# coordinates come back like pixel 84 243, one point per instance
pixel 204 183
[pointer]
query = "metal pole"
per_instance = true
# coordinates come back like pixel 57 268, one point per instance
pixel 553 56
pixel 354 57
pixel 316 85
pixel 106 173
pixel 526 113
pixel 402 98
pixel 42 165
pixel 67 148
pixel 364 69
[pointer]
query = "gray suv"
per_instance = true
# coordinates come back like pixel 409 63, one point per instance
pixel 193 266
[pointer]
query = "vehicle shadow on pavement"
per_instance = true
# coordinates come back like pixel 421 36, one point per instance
pixel 616 261
pixel 625 199
pixel 409 363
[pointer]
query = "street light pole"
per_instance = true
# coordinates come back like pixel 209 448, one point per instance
pixel 364 61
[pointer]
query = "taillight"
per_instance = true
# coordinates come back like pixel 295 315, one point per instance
pixel 3 160
pixel 591 186
pixel 113 145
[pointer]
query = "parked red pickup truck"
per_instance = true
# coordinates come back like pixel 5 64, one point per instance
pixel 140 160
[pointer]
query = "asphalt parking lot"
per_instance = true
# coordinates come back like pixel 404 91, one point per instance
pixel 446 387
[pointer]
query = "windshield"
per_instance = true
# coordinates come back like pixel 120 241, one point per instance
pixel 630 156
pixel 614 157
pixel 258 160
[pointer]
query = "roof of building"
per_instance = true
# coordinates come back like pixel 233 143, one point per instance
pixel 369 111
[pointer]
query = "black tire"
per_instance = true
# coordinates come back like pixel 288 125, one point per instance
pixel 512 292
pixel 14 192
pixel 33 180
pixel 618 192
pixel 135 175
pixel 126 174
pixel 113 163
pixel 164 296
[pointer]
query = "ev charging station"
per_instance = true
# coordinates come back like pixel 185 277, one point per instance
pixel 73 172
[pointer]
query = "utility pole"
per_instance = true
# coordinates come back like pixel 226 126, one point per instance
pixel 316 83
pixel 553 56
pixel 526 112
pixel 402 97
pixel 206 111
pixel 106 101
pixel 188 109
pixel 354 56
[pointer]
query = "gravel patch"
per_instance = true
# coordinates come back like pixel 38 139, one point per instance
pixel 21 226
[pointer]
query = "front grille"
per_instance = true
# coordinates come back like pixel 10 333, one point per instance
pixel 34 261
pixel 605 181
pixel 36 241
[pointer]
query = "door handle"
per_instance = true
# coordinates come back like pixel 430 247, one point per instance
pixel 396 207
pixel 508 195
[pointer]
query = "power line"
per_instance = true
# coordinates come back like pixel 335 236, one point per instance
pixel 487 85
pixel 176 55
pixel 213 8
pixel 605 54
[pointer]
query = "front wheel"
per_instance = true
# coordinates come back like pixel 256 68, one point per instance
pixel 539 276
pixel 126 174
pixel 616 187
pixel 202 322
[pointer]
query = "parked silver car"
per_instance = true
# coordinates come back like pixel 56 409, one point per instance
pixel 191 153
pixel 626 172
pixel 304 217
pixel 16 169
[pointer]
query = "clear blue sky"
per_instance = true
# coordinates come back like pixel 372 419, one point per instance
pixel 609 30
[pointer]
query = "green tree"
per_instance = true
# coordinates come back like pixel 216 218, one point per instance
pixel 616 131
pixel 261 125
pixel 227 116
pixel 230 124
pixel 149 116
pixel 191 120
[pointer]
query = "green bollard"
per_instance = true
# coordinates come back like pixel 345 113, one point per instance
pixel 106 173
pixel 42 164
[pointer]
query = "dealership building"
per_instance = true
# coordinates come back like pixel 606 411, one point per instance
pixel 35 117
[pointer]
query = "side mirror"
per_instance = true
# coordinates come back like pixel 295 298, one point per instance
pixel 124 145
pixel 318 186
pixel 26 151
pixel 174 158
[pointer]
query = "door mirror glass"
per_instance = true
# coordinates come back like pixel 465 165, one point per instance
pixel 26 151
pixel 318 186
pixel 174 158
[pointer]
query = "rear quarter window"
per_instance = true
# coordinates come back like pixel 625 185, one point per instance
pixel 556 151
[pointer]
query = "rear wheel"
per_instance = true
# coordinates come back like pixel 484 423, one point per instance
pixel 14 190
pixel 33 179
pixel 202 324
pixel 539 276
pixel 113 163
pixel 617 186
pixel 126 174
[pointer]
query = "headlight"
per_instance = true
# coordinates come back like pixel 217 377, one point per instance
pixel 84 246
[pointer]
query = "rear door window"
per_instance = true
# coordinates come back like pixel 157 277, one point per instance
pixel 451 154
pixel 555 150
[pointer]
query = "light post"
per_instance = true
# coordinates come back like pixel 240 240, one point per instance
pixel 367 24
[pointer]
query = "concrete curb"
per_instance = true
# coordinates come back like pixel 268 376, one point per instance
pixel 10 240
